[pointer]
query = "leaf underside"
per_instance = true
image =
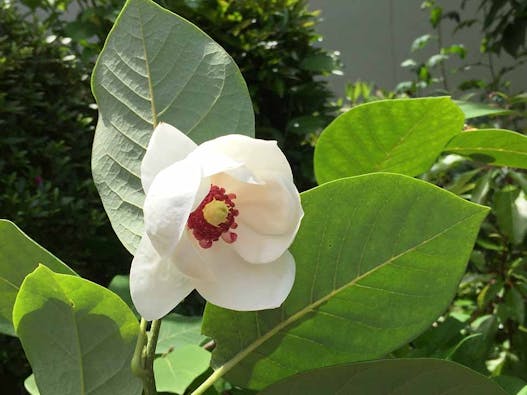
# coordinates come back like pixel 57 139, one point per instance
pixel 156 66
pixel 78 336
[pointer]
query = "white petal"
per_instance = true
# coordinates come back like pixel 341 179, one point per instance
pixel 187 259
pixel 241 286
pixel 173 195
pixel 269 217
pixel 167 145
pixel 259 156
pixel 213 162
pixel 156 285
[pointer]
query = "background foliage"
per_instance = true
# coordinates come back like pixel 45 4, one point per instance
pixel 48 128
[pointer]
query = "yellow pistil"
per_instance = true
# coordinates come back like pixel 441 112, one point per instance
pixel 215 212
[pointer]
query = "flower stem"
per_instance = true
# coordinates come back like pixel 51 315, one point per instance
pixel 143 359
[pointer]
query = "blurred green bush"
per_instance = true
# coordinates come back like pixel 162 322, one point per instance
pixel 47 129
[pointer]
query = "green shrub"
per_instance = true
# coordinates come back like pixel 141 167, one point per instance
pixel 47 128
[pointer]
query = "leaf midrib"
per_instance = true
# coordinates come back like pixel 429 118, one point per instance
pixel 312 306
pixel 148 74
pixel 486 149
pixel 5 280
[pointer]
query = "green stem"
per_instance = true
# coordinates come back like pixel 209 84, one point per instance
pixel 221 371
pixel 152 343
pixel 143 359
pixel 137 365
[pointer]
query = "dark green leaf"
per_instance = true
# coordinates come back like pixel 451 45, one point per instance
pixel 474 351
pixel 512 385
pixel 389 377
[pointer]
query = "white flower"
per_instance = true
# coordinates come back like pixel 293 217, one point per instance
pixel 219 218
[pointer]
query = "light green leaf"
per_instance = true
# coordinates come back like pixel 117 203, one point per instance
pixel 19 256
pixel 475 110
pixel 175 371
pixel 394 377
pixel 177 331
pixel 378 258
pixel 156 66
pixel 492 146
pixel 400 136
pixel 83 331
pixel 30 385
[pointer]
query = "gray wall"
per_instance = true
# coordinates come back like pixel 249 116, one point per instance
pixel 374 37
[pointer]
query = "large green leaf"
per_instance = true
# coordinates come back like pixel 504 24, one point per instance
pixel 400 136
pixel 177 369
pixel 492 146
pixel 378 258
pixel 78 336
pixel 389 377
pixel 19 256
pixel 156 66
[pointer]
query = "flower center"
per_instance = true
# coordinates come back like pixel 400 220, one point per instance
pixel 215 212
pixel 214 218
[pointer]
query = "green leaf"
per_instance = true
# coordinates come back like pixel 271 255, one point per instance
pixel 475 110
pixel 512 385
pixel 83 331
pixel 175 371
pixel 120 285
pixel 30 385
pixel 473 351
pixel 436 342
pixel 156 66
pixel 378 258
pixel 400 136
pixel 492 146
pixel 513 307
pixel 394 377
pixel 19 256
pixel 177 331
pixel 510 208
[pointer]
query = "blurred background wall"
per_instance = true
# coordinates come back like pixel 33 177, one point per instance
pixel 374 38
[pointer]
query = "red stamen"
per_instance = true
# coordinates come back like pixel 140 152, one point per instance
pixel 206 233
